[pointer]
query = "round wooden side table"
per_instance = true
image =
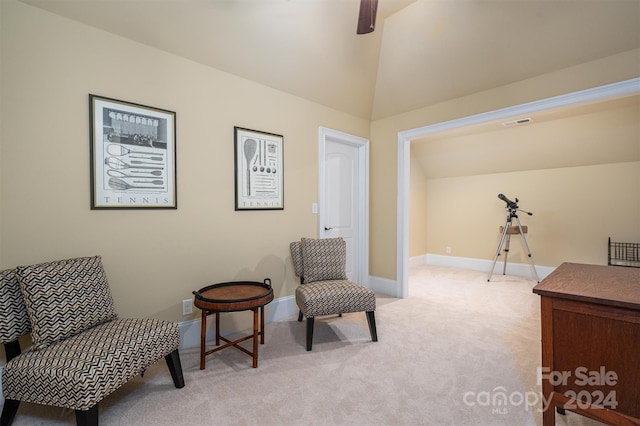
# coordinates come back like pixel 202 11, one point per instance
pixel 232 297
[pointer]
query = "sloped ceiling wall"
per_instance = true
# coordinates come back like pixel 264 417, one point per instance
pixel 600 133
pixel 421 53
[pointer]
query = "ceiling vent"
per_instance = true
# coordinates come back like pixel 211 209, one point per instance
pixel 518 122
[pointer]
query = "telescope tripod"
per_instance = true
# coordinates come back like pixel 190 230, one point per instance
pixel 507 230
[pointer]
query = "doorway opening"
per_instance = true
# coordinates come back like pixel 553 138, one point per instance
pixel 597 94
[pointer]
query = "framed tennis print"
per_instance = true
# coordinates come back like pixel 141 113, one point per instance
pixel 259 171
pixel 133 155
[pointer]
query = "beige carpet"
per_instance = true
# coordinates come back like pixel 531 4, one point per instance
pixel 443 354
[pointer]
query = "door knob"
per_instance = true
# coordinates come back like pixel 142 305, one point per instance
pixel 327 229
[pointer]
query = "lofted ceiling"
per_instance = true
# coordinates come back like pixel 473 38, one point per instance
pixel 421 53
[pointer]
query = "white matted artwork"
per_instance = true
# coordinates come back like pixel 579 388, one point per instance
pixel 133 155
pixel 259 171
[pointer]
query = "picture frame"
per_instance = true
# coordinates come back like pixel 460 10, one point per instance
pixel 259 170
pixel 133 155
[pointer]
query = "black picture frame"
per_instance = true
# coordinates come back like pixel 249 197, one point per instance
pixel 259 170
pixel 133 155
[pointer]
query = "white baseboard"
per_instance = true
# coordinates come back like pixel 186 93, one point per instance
pixel 278 309
pixel 384 286
pixel 392 287
pixel 517 269
pixel 418 261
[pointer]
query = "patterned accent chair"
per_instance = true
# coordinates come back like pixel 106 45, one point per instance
pixel 324 287
pixel 81 351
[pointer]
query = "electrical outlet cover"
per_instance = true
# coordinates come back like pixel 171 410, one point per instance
pixel 187 307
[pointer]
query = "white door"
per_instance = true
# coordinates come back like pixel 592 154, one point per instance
pixel 344 197
pixel 341 186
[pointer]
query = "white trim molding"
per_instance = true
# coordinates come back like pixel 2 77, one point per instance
pixel 518 269
pixel 384 286
pixel 601 93
pixel 362 144
pixel 418 261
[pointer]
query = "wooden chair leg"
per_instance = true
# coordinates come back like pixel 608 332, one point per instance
pixel 87 417
pixel 371 319
pixel 9 411
pixel 175 368
pixel 299 316
pixel 309 332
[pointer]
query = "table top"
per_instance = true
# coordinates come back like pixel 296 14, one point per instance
pixel 234 296
pixel 604 285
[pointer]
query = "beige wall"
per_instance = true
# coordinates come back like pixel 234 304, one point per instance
pixel 153 258
pixel 579 173
pixel 384 139
pixel 575 210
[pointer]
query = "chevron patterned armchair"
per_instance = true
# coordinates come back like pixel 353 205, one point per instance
pixel 81 351
pixel 324 287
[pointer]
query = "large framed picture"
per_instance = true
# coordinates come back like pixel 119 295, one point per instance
pixel 133 155
pixel 259 170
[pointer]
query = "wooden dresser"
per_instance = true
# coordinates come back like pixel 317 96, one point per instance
pixel 590 318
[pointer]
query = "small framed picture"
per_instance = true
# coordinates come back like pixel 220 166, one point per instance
pixel 259 171
pixel 133 155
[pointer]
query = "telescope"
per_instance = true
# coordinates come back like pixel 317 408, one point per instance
pixel 507 230
pixel 510 204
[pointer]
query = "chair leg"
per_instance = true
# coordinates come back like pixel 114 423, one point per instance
pixel 371 319
pixel 9 411
pixel 87 417
pixel 299 316
pixel 309 332
pixel 12 349
pixel 175 368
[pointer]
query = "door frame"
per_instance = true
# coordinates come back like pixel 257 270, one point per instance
pixel 600 93
pixel 361 268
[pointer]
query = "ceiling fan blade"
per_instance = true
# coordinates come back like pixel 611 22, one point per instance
pixel 367 16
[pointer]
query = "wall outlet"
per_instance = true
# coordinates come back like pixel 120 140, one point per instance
pixel 187 307
pixel 448 250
